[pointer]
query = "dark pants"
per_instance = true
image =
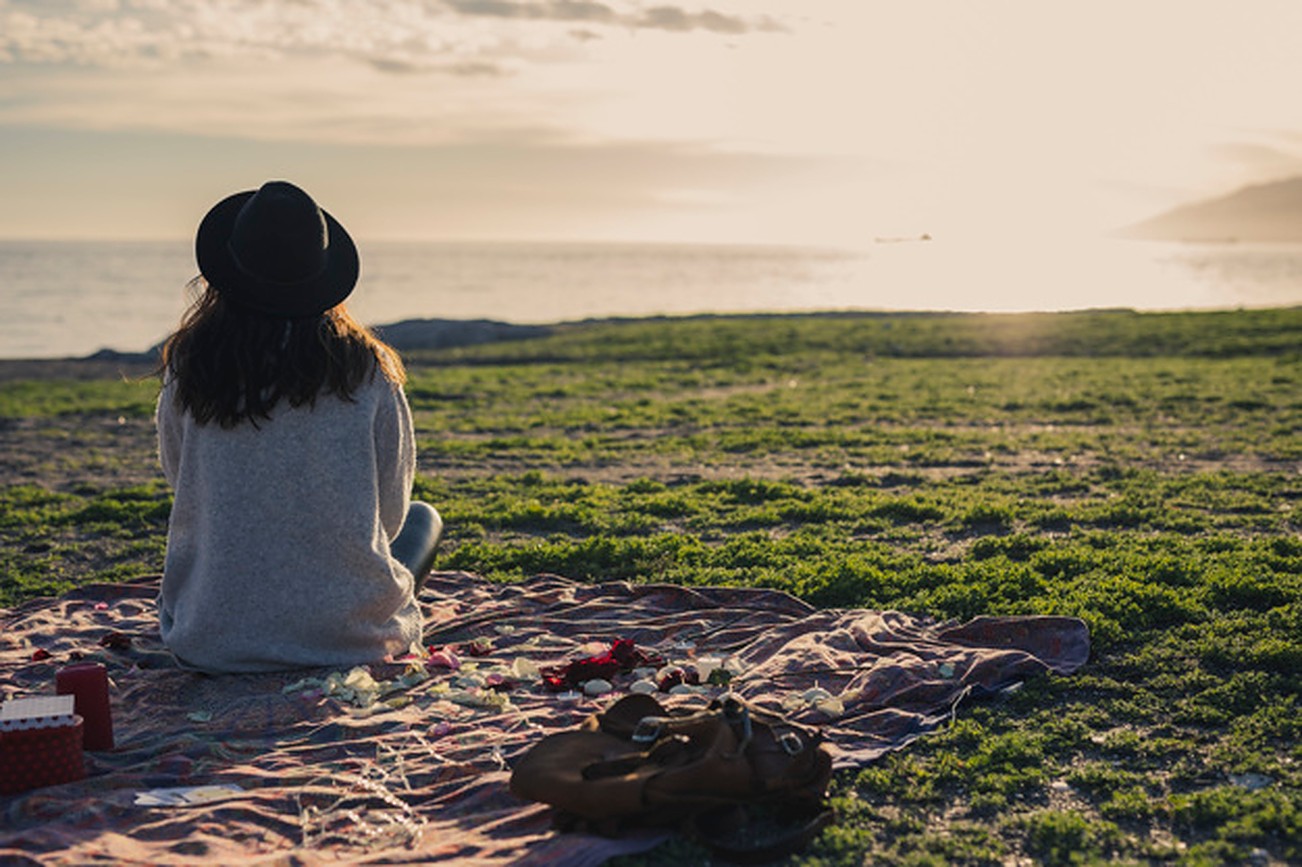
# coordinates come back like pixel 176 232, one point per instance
pixel 417 540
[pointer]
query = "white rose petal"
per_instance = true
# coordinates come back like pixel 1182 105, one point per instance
pixel 597 686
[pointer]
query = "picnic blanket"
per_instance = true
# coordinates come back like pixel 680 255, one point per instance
pixel 408 762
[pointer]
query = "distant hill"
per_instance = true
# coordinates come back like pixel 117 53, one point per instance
pixel 412 334
pixel 1264 212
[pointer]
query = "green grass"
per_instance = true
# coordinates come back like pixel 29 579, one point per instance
pixel 54 541
pixel 1140 471
pixel 132 398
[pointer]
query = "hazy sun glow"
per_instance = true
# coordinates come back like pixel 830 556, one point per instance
pixel 799 121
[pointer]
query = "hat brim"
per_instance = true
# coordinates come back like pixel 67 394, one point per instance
pixel 298 300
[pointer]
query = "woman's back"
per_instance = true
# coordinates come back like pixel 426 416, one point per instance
pixel 278 545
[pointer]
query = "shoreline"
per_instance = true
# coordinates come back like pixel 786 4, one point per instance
pixel 415 335
pixel 407 335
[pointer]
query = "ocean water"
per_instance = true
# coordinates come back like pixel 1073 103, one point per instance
pixel 68 299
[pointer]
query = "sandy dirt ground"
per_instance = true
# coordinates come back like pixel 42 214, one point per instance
pixel 103 450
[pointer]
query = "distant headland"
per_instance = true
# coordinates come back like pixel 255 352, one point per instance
pixel 1270 212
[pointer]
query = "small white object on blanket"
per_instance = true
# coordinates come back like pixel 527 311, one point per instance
pixel 37 712
pixel 597 686
pixel 185 796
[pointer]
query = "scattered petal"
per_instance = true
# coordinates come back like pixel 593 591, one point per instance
pixel 818 699
pixel 815 694
pixel 706 665
pixel 831 706
pixel 478 647
pixel 445 658
pixel 623 656
pixel 411 677
pixel 524 669
pixel 469 679
pixel 673 675
pixel 484 698
pixel 719 677
pixel 302 685
pixel 597 686
pixel 40 654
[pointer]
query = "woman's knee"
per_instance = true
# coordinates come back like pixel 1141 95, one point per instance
pixel 418 539
pixel 422 515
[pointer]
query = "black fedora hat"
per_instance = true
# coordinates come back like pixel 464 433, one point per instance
pixel 275 251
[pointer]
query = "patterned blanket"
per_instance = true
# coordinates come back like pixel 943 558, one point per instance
pixel 408 762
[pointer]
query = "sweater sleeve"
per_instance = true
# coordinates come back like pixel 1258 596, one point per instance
pixel 168 421
pixel 395 456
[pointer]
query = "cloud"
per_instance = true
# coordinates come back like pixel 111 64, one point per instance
pixel 667 18
pixel 359 70
pixel 554 10
pixel 401 36
pixel 677 20
pixel 398 36
pixel 468 69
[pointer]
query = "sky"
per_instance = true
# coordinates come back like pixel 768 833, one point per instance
pixel 736 121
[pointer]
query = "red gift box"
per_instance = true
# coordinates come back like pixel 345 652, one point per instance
pixel 37 757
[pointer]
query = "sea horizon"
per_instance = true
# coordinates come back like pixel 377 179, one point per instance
pixel 68 299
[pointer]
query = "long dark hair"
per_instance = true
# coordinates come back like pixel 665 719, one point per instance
pixel 233 365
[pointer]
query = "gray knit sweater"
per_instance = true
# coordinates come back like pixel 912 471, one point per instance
pixel 278 543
